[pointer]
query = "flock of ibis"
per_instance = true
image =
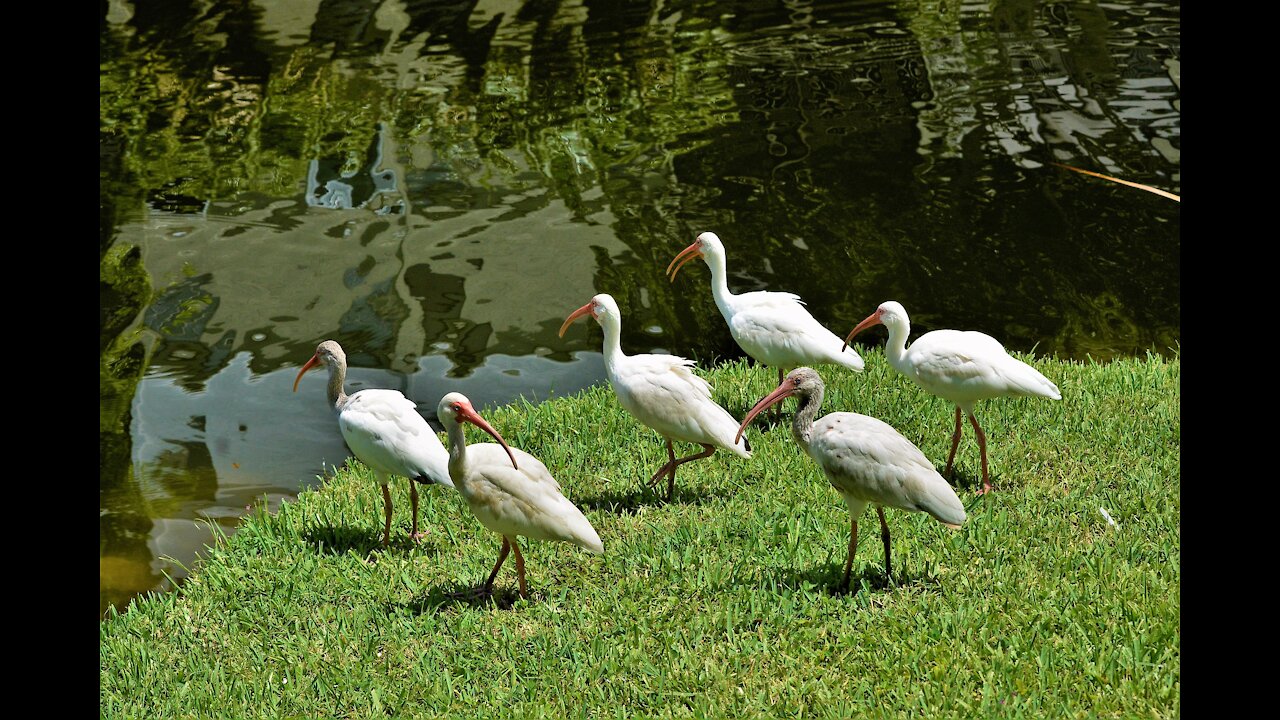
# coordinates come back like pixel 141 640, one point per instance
pixel 866 460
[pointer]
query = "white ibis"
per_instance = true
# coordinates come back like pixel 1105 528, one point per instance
pixel 663 393
pixel 960 366
pixel 866 461
pixel 774 328
pixel 384 431
pixel 508 498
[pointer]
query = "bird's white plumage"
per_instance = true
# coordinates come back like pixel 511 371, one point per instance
pixel 772 327
pixel 384 430
pixel 869 462
pixel 865 459
pixel 523 500
pixel 963 367
pixel 662 391
pixel 527 501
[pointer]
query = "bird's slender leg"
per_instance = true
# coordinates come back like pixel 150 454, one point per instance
pixel 502 555
pixel 777 415
pixel 955 443
pixel 884 535
pixel 982 444
pixel 669 467
pixel 515 545
pixel 413 496
pixel 708 451
pixel 386 509
pixel 853 545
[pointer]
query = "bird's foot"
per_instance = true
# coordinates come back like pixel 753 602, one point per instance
pixel 418 536
pixel 985 489
pixel 662 472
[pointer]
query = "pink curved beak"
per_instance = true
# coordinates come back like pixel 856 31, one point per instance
pixel 783 391
pixel 314 361
pixel 466 413
pixel 873 319
pixel 685 256
pixel 584 310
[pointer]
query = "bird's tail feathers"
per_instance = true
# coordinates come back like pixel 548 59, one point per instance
pixel 428 480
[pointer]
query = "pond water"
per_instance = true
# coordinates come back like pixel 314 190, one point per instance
pixel 437 185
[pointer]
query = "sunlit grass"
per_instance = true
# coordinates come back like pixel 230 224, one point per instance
pixel 719 603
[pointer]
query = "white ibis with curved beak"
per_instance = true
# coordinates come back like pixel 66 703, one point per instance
pixel 663 393
pixel 866 461
pixel 960 366
pixel 384 431
pixel 774 328
pixel 510 491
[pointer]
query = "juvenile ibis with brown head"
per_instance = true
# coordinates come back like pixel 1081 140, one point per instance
pixel 384 431
pixel 865 460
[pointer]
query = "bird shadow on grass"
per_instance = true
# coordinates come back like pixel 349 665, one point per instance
pixel 630 502
pixel 343 539
pixel 443 597
pixel 965 482
pixel 829 579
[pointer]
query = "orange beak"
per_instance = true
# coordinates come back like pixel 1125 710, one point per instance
pixel 685 256
pixel 873 319
pixel 784 391
pixel 466 413
pixel 314 361
pixel 584 310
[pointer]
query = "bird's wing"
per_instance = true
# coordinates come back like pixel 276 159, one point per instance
pixel 385 431
pixel 970 365
pixel 867 459
pixel 664 393
pixel 527 501
pixel 781 332
pixel 768 298
pixel 667 375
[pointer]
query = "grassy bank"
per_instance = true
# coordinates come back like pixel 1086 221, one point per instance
pixel 718 603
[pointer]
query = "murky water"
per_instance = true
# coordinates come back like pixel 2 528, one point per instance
pixel 437 185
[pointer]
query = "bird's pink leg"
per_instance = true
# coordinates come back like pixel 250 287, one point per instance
pixel 982 443
pixel 386 510
pixel 502 555
pixel 777 414
pixel 955 443
pixel 708 450
pixel 853 545
pixel 413 495
pixel 884 535
pixel 515 545
pixel 669 467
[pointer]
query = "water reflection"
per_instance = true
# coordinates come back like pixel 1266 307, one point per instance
pixel 436 184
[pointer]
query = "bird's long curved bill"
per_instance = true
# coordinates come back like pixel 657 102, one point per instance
pixel 315 360
pixel 472 417
pixel 781 393
pixel 872 320
pixel 585 309
pixel 685 256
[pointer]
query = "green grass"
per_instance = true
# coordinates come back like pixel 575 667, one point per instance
pixel 719 603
